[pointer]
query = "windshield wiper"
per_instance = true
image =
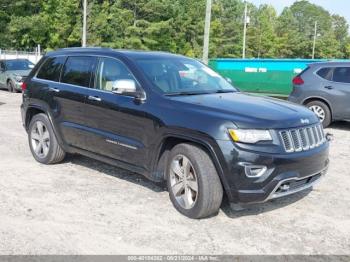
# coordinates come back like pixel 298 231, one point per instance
pixel 186 93
pixel 200 93
pixel 224 91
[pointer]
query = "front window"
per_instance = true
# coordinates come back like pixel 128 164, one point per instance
pixel 109 71
pixel 177 76
pixel 13 65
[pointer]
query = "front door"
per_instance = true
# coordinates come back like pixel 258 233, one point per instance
pixel 118 125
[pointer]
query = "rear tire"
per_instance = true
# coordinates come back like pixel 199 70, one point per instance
pixel 43 142
pixel 193 183
pixel 322 111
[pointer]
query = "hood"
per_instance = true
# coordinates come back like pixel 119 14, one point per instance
pixel 252 111
pixel 20 72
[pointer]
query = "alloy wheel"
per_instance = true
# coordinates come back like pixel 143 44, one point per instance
pixel 40 139
pixel 319 111
pixel 183 181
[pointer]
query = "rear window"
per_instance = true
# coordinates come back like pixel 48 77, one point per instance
pixel 325 73
pixel 51 69
pixel 78 70
pixel 341 74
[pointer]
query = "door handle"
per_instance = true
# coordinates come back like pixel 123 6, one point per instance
pixel 329 87
pixel 54 90
pixel 95 98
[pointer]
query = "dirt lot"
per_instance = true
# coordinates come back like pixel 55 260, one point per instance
pixel 86 207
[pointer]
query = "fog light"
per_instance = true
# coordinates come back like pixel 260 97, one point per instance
pixel 285 187
pixel 255 171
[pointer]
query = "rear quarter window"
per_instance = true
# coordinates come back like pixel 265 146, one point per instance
pixel 51 69
pixel 325 73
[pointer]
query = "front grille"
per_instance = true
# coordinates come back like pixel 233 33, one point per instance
pixel 302 139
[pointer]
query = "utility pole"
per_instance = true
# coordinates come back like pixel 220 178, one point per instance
pixel 314 44
pixel 207 32
pixel 245 28
pixel 84 23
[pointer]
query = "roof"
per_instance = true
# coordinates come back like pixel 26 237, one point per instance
pixel 125 52
pixel 331 63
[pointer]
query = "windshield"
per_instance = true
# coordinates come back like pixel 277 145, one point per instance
pixel 179 76
pixel 12 65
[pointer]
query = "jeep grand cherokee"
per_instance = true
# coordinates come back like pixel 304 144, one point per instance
pixel 172 119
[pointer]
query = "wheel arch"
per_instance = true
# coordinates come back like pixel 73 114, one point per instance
pixel 321 99
pixel 34 109
pixel 170 141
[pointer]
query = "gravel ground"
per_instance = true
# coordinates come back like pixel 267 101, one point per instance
pixel 83 206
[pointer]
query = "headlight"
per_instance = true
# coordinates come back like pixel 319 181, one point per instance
pixel 18 78
pixel 250 136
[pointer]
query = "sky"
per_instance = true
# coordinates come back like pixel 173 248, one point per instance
pixel 340 7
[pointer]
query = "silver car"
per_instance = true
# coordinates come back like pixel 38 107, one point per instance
pixel 325 89
pixel 13 72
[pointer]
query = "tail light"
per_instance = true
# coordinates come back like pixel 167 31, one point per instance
pixel 24 86
pixel 298 80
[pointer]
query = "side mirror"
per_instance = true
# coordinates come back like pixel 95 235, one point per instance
pixel 128 87
pixel 124 87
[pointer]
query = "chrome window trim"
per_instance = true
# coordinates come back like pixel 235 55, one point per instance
pixel 90 88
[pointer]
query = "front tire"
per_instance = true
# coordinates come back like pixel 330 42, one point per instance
pixel 193 183
pixel 322 111
pixel 11 87
pixel 43 142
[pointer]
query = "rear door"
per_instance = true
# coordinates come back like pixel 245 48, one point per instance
pixel 63 83
pixel 339 91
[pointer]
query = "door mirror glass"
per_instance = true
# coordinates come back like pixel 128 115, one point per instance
pixel 124 86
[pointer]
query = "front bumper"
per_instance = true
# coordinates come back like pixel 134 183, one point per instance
pixel 285 174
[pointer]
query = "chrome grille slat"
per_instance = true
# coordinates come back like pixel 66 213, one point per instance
pixel 302 139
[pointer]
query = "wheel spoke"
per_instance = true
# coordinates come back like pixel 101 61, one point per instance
pixel 39 148
pixel 178 188
pixel 176 168
pixel 193 185
pixel 186 165
pixel 34 135
pixel 187 198
pixel 46 136
pixel 40 128
pixel 45 149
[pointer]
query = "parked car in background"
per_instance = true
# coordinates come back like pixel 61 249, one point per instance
pixel 325 89
pixel 171 118
pixel 13 72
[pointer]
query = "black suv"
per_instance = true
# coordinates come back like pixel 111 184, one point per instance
pixel 172 119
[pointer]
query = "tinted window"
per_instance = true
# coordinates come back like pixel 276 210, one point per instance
pixel 109 70
pixel 78 70
pixel 51 68
pixel 341 74
pixel 325 73
pixel 12 65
